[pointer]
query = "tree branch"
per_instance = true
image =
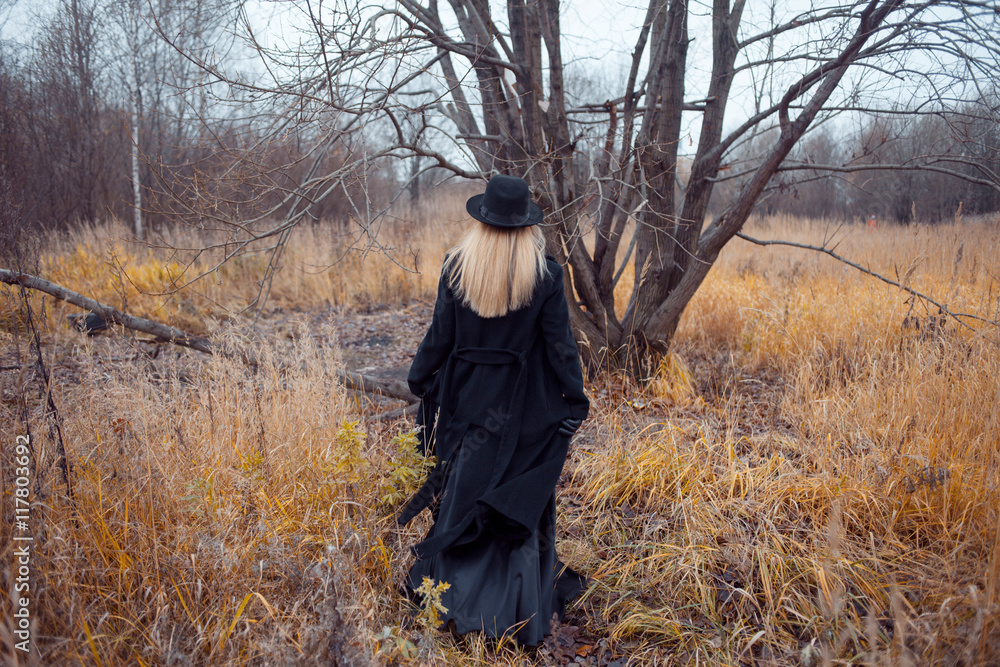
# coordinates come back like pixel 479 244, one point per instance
pixel 387 387
pixel 826 251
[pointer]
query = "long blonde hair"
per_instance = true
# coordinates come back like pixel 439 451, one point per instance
pixel 494 270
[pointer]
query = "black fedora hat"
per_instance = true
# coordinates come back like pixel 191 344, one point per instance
pixel 506 203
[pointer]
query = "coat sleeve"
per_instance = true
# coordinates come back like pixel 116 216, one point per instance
pixel 560 347
pixel 437 343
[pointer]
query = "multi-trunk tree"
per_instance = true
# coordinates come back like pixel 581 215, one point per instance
pixel 479 88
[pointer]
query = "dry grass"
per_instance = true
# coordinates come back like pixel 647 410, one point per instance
pixel 810 480
pixel 323 265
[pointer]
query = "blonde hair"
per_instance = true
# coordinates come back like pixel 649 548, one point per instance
pixel 494 270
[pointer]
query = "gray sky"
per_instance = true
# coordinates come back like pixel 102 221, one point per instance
pixel 598 38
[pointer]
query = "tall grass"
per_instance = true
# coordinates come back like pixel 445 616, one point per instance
pixel 322 265
pixel 830 496
pixel 811 478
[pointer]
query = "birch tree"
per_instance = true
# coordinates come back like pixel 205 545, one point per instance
pixel 131 24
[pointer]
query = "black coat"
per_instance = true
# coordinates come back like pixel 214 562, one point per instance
pixel 502 385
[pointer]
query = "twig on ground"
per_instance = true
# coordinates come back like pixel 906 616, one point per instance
pixel 389 415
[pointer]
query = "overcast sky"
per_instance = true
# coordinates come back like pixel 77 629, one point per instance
pixel 598 38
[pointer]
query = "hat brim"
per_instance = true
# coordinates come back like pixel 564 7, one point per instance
pixel 475 202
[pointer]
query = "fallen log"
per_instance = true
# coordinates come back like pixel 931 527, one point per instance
pixel 167 333
pixel 356 381
pixel 406 411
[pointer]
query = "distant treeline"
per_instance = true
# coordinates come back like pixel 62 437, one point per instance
pixel 99 96
pixel 98 84
pixel 924 151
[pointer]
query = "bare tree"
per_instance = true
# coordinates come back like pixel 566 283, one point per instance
pixel 926 165
pixel 488 94
pixel 130 22
pixel 165 100
pixel 71 128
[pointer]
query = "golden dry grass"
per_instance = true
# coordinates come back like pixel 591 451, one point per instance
pixel 322 265
pixel 811 478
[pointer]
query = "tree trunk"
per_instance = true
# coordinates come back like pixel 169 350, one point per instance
pixel 133 69
pixel 605 169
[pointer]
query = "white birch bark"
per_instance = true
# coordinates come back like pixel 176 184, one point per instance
pixel 133 69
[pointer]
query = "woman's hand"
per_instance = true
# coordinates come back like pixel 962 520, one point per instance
pixel 569 426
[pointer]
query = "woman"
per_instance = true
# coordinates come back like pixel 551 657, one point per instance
pixel 499 367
